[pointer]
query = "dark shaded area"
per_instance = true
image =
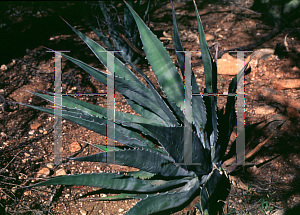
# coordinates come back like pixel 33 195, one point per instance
pixel 27 25
pixel 294 210
pixel 277 12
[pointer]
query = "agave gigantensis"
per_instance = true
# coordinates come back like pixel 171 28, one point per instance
pixel 165 181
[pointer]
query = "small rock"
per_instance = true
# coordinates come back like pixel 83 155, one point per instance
pixel 26 154
pixel 49 165
pixel 3 67
pixel 121 210
pixel 295 69
pixel 60 172
pixel 35 126
pixel 3 134
pixel 1 90
pixel 12 63
pixel 24 67
pixel 227 65
pixel 31 132
pixel 27 193
pixel 209 37
pixel 254 170
pixel 292 112
pixel 264 110
pixel 82 212
pixel 240 201
pixel 24 160
pixel 278 212
pixel 74 147
pixel 44 172
pixel 287 84
pixel 45 132
pixel 14 189
pixel 263 53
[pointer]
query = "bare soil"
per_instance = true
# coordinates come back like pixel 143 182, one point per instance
pixel 27 140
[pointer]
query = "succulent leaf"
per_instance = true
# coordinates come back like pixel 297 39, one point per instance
pixel 198 106
pixel 109 181
pixel 171 138
pixel 228 121
pixel 125 81
pixel 165 201
pixel 161 63
pixel 155 163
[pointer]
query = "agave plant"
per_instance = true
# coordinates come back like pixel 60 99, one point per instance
pixel 155 140
pixel 124 34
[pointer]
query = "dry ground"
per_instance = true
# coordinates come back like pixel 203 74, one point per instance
pixel 26 144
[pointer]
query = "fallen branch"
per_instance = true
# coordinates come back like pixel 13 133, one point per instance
pixel 251 153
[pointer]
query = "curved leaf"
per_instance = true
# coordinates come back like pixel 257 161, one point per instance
pixel 206 56
pixel 161 63
pixel 99 126
pixel 109 181
pixel 155 162
pixel 121 71
pixel 165 201
pixel 198 107
pixel 214 191
pixel 171 138
pixel 96 110
pixel 228 120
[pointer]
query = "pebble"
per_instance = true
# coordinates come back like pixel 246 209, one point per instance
pixel 74 147
pixel 60 172
pixel 278 212
pixel 292 112
pixel 31 132
pixel 35 126
pixel 3 67
pixel 49 165
pixel 254 170
pixel 44 172
pixel 82 212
